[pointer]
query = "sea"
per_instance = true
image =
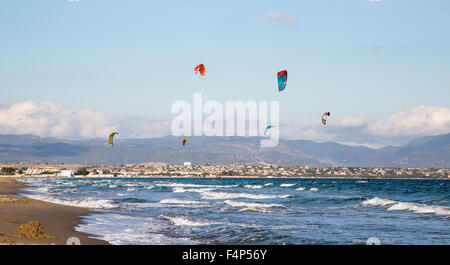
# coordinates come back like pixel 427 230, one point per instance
pixel 255 211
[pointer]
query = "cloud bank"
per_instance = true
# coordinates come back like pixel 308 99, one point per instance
pixel 55 120
pixel 398 129
pixel 51 119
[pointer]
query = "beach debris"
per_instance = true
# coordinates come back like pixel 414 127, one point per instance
pixel 111 136
pixel 33 229
pixel 282 79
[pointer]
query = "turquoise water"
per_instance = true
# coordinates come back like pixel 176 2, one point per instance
pixel 256 211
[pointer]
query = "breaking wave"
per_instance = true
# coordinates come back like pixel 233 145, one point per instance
pixel 407 206
pixel 180 221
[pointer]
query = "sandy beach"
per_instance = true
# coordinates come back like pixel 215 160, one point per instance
pixel 58 221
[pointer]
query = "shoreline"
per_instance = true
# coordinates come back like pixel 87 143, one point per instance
pixel 223 177
pixel 58 221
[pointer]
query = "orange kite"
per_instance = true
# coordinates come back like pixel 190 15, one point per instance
pixel 200 69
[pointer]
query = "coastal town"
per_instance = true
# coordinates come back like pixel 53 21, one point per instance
pixel 188 170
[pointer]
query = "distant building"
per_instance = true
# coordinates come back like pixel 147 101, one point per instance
pixel 187 164
pixel 32 171
pixel 66 173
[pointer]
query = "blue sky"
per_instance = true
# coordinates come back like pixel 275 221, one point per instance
pixel 137 57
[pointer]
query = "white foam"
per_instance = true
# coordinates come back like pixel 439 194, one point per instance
pixel 301 188
pixel 287 184
pixel 268 184
pixel 179 189
pixel 407 206
pixel 176 201
pixel 126 230
pixel 187 185
pixel 286 196
pixel 180 185
pixel 180 221
pixel 210 195
pixel 66 191
pixel 378 202
pixel 42 189
pixel 250 205
pixel 314 189
pixel 86 203
pixel 420 208
pixel 253 186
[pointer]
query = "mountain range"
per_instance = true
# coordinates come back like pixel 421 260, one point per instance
pixel 429 151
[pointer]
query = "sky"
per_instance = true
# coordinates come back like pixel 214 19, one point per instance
pixel 80 69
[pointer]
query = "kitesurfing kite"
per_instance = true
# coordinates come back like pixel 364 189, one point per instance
pixel 185 141
pixel 200 69
pixel 267 128
pixel 324 117
pixel 282 79
pixel 111 136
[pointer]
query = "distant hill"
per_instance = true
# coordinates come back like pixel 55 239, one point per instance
pixel 430 151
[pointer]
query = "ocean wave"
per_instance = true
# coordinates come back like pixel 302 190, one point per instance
pixel 180 221
pixel 301 188
pixel 253 207
pixel 253 186
pixel 178 189
pixel 314 189
pixel 210 195
pixel 268 184
pixel 287 184
pixel 67 191
pixel 176 201
pixel 86 203
pixel 378 202
pixel 187 185
pixel 420 208
pixel 407 206
pixel 41 189
pixel 127 230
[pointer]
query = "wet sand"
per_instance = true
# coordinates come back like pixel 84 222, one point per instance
pixel 57 220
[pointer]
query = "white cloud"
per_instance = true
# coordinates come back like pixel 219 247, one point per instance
pixel 51 119
pixel 399 128
pixel 280 17
pixel 354 121
pixel 421 120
